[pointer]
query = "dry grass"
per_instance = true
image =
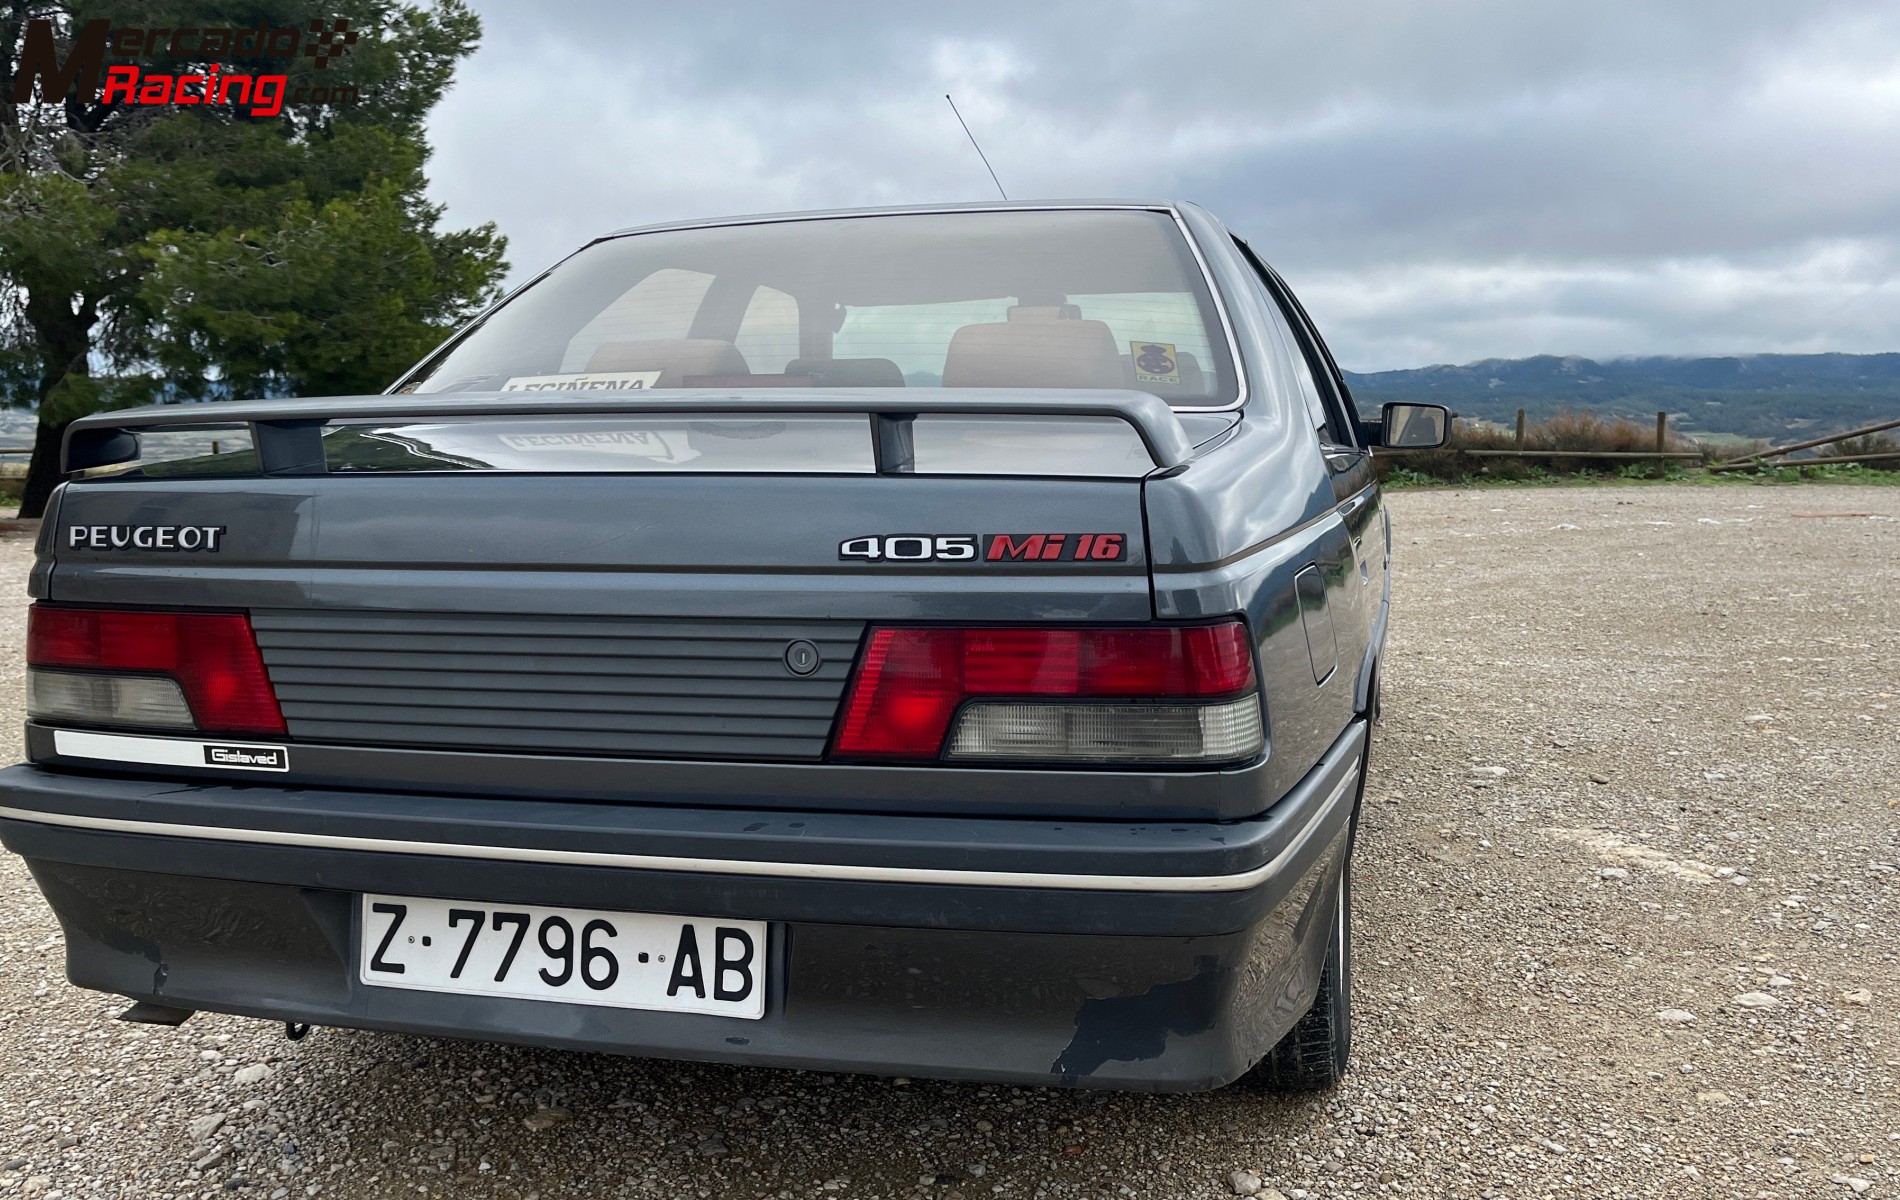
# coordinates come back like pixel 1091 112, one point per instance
pixel 1581 432
pixel 1872 443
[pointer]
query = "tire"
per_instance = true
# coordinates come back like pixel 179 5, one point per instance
pixel 1312 1056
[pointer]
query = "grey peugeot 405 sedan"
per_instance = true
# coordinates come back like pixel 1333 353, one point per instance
pixel 928 641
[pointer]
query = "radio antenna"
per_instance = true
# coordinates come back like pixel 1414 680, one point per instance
pixel 979 149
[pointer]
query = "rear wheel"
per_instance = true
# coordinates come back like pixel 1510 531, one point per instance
pixel 1312 1056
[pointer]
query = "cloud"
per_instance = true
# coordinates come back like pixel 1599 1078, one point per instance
pixel 1442 182
pixel 1810 299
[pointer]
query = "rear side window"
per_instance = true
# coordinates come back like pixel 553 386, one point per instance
pixel 1106 299
pixel 1316 414
pixel 1315 376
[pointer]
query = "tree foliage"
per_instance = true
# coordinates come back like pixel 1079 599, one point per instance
pixel 208 251
pixel 331 300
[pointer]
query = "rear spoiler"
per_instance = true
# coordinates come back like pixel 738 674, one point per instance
pixel 288 433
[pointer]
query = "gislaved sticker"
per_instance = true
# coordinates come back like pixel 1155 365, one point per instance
pixel 249 758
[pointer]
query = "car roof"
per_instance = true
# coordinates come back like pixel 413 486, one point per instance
pixel 892 210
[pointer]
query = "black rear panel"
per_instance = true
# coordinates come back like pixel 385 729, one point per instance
pixel 639 687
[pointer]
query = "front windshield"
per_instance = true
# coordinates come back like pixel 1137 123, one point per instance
pixel 1070 298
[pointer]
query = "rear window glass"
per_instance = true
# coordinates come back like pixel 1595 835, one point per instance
pixel 807 443
pixel 661 305
pixel 795 444
pixel 1069 299
pixel 199 451
pixel 958 444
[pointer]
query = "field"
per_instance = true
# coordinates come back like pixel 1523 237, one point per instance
pixel 1628 903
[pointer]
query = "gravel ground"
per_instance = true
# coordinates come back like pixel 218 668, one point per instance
pixel 1626 926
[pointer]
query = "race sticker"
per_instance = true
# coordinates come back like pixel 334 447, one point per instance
pixel 1155 362
pixel 669 447
pixel 617 381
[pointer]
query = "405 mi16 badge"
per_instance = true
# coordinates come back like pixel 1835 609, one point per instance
pixel 986 547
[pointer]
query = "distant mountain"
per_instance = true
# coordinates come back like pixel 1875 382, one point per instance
pixel 1757 396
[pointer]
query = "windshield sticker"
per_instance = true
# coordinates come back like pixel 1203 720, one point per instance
pixel 617 381
pixel 637 443
pixel 1155 362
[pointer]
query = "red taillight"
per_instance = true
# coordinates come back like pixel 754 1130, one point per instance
pixel 213 656
pixel 911 682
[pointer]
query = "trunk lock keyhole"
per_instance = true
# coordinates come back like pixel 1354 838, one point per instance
pixel 802 658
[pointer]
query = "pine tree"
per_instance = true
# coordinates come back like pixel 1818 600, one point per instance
pixel 213 251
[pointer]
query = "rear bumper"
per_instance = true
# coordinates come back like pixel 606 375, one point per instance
pixel 1084 953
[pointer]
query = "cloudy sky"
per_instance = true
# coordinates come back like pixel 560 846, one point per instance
pixel 1441 182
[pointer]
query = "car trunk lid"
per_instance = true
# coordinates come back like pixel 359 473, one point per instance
pixel 627 576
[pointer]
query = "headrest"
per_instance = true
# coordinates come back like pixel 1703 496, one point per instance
pixel 1045 312
pixel 674 359
pixel 1055 354
pixel 848 372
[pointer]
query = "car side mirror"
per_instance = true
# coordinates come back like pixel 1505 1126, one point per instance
pixel 1414 426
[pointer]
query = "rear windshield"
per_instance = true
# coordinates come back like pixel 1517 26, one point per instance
pixel 1108 299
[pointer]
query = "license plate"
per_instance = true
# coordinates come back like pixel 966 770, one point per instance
pixel 616 959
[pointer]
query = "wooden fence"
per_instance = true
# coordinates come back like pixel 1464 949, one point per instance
pixel 1760 458
pixel 1662 455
